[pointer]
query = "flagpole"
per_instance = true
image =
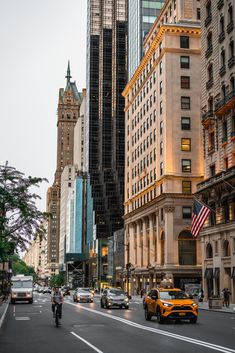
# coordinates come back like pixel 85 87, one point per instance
pixel 205 205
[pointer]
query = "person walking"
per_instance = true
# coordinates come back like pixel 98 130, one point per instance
pixel 227 293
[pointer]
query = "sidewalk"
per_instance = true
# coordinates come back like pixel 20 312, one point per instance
pixel 202 306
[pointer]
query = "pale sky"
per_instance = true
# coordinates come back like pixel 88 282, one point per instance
pixel 37 38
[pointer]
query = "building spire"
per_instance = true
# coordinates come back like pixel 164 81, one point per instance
pixel 68 76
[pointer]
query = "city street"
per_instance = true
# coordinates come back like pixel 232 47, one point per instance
pixel 88 328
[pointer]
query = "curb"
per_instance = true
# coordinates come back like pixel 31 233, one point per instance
pixel 218 311
pixel 3 315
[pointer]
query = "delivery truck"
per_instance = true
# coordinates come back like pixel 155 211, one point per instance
pixel 21 288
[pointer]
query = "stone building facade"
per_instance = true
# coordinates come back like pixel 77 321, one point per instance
pixel 218 119
pixel 164 151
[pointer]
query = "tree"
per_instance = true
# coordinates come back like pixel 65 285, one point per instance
pixel 20 219
pixel 20 267
pixel 57 280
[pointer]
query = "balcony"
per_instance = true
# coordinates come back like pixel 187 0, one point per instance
pixel 220 4
pixel 231 62
pixel 224 139
pixel 230 26
pixel 211 149
pixel 208 20
pixel 210 83
pixel 221 36
pixel 216 179
pixel 207 118
pixel 222 70
pixel 225 104
pixel 209 51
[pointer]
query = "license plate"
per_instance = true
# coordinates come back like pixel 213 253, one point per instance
pixel 182 314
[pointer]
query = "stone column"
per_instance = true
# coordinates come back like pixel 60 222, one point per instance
pixel 151 240
pixel 145 244
pixel 138 260
pixel 131 244
pixel 169 235
pixel 157 245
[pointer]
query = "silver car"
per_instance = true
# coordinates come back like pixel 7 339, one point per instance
pixel 114 298
pixel 82 295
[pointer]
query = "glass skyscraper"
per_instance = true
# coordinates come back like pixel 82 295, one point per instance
pixel 141 16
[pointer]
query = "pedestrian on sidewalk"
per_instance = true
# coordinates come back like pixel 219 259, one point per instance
pixel 227 293
pixel 141 293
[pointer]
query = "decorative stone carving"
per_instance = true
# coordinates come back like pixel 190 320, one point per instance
pixel 169 209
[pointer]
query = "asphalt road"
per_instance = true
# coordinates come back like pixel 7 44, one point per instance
pixel 86 328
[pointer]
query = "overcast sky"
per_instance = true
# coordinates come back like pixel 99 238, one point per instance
pixel 37 37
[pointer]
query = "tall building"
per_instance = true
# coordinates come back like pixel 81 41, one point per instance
pixel 106 79
pixel 141 16
pixel 68 112
pixel 163 149
pixel 218 119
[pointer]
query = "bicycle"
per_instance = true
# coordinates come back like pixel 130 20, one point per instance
pixel 58 308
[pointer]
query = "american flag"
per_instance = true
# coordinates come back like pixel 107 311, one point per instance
pixel 200 214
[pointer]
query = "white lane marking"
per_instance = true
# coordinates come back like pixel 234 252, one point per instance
pixel 24 318
pixel 3 315
pixel 88 343
pixel 160 332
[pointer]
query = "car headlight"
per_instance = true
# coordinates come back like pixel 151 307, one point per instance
pixel 194 304
pixel 167 304
pixel 13 294
pixel 28 294
pixel 126 300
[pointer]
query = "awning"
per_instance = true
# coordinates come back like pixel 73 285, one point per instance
pixel 216 272
pixel 208 273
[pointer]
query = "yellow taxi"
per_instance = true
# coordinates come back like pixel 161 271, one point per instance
pixel 170 303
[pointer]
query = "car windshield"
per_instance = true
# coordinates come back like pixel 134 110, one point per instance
pixel 82 291
pixel 173 294
pixel 116 292
pixel 22 284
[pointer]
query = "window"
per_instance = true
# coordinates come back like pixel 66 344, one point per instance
pixel 209 251
pixel 161 108
pixel 185 103
pixel 187 212
pixel 198 13
pixel 185 123
pixel 161 168
pixel 186 187
pixel 184 42
pixel 185 82
pixel 212 170
pixel 184 62
pixel 160 86
pixel 186 165
pixel 186 144
pixel 160 67
pixel 161 127
pixel 161 148
pixel 187 249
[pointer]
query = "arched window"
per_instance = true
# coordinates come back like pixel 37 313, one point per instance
pixel 226 248
pixel 209 251
pixel 187 248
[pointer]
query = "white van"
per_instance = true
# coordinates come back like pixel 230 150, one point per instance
pixel 21 288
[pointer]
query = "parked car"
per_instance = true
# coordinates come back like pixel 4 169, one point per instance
pixel 114 297
pixel 46 290
pixel 170 303
pixel 83 295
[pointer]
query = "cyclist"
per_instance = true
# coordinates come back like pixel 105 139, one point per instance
pixel 57 298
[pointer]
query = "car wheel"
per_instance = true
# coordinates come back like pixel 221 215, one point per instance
pixel 159 316
pixel 147 315
pixel 127 307
pixel 194 320
pixel 74 300
pixel 101 304
pixel 12 301
pixel 106 305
